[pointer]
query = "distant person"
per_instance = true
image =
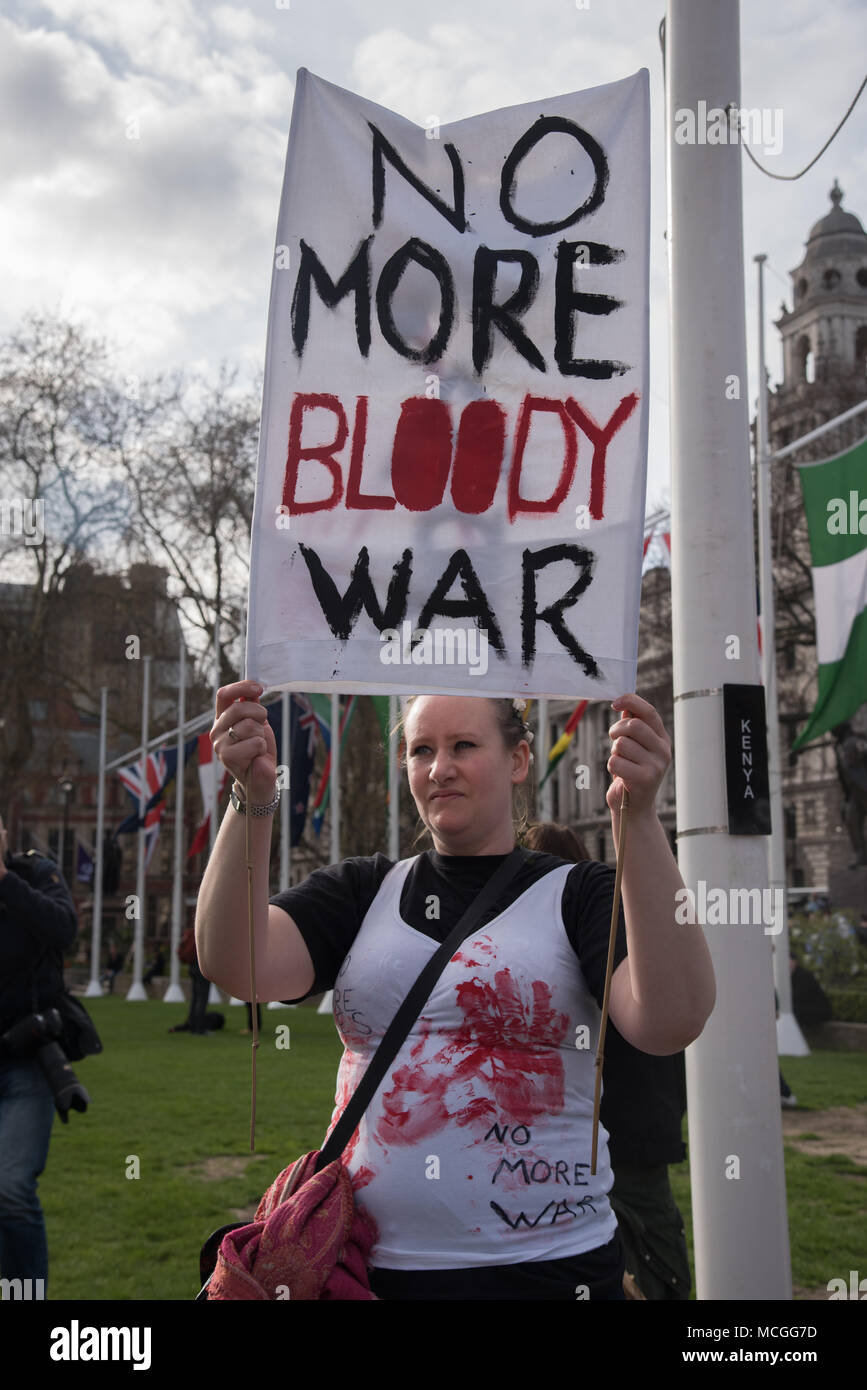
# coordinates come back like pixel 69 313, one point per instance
pixel 810 1003
pixel 113 966
pixel 157 967
pixel 249 1028
pixel 200 988
pixel 37 926
pixel 787 1099
pixel 643 1104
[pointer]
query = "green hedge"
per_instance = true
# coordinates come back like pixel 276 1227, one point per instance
pixel 849 1005
pixel 828 946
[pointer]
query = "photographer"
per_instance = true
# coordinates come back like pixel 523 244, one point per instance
pixel 37 924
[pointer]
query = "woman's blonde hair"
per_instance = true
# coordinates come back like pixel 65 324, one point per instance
pixel 513 728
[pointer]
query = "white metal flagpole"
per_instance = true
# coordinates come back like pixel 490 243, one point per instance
pixel 214 995
pixel 790 1039
pixel 175 994
pixel 137 991
pixel 735 1131
pixel 94 988
pixel 285 802
pixel 285 807
pixel 325 1005
pixel 335 779
pixel 215 763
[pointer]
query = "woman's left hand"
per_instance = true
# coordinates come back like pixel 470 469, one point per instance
pixel 640 755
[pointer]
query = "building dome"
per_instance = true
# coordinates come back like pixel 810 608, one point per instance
pixel 834 224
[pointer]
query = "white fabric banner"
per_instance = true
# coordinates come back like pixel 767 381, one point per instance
pixel 451 477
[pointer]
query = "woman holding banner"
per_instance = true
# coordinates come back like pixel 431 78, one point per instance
pixel 473 1158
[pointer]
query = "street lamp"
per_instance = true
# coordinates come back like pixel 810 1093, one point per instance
pixel 66 789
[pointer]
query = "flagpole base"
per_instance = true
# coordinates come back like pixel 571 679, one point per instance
pixel 236 1003
pixel 174 995
pixel 790 1040
pixel 136 992
pixel 326 1003
pixel 94 990
pixel 277 1004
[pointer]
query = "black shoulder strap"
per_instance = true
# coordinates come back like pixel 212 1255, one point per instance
pixel 399 1028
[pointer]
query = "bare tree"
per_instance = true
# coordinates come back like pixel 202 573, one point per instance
pixel 191 474
pixel 61 423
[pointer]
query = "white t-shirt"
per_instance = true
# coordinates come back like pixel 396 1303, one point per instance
pixel 475 1149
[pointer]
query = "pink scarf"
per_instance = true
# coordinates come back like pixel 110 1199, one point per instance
pixel 307 1237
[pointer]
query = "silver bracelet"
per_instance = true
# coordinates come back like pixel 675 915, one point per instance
pixel 266 810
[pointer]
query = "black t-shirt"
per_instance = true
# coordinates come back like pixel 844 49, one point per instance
pixel 329 908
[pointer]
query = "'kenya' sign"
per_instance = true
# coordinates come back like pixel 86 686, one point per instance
pixel 454 420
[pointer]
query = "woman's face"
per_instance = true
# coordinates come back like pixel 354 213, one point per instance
pixel 461 774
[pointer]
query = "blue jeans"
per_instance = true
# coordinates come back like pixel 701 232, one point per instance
pixel 26 1117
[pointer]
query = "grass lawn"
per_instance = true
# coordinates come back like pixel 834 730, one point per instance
pixel 174 1101
pixel 826 1197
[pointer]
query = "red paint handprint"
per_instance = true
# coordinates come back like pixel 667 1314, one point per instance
pixel 502 1060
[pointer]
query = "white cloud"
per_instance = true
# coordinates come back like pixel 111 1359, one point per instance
pixel 165 242
pixel 137 235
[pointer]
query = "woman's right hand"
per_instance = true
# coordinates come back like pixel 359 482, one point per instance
pixel 253 746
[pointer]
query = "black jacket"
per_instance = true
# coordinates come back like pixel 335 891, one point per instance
pixel 37 919
pixel 643 1104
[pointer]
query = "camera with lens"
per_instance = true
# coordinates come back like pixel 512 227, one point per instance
pixel 36 1036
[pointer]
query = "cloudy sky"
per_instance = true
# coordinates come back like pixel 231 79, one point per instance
pixel 143 144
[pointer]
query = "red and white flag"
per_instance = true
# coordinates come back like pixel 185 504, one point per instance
pixel 213 777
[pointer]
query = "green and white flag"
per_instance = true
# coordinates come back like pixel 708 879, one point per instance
pixel 835 500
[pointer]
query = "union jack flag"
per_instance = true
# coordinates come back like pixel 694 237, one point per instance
pixel 308 720
pixel 158 775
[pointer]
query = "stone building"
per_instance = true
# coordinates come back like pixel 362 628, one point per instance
pixel 824 341
pixel 98 627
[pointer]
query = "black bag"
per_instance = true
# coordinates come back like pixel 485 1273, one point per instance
pixel 79 1037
